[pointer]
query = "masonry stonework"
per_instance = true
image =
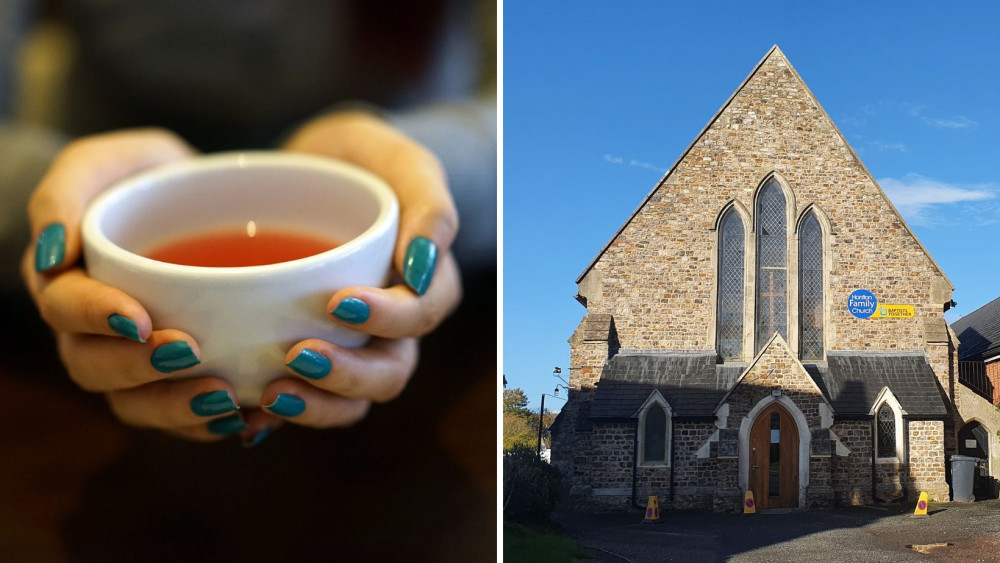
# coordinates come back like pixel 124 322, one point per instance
pixel 652 292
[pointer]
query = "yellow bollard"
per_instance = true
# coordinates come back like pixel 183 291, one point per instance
pixel 749 507
pixel 652 511
pixel 921 510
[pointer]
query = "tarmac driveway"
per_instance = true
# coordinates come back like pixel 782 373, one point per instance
pixel 972 531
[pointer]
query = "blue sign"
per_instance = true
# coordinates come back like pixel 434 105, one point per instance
pixel 862 303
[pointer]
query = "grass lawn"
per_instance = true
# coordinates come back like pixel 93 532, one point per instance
pixel 525 545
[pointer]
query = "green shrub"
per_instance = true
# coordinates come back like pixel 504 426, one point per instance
pixel 531 487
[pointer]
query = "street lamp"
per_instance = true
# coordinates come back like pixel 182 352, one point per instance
pixel 541 415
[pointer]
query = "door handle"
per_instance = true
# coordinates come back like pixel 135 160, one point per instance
pixel 754 467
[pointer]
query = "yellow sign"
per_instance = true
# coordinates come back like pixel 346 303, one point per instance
pixel 652 511
pixel 893 312
pixel 749 507
pixel 921 509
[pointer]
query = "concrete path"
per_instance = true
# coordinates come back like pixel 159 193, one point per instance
pixel 971 532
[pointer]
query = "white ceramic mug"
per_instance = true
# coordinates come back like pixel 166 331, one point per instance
pixel 245 319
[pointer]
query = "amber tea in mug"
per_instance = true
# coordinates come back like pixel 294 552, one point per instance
pixel 238 248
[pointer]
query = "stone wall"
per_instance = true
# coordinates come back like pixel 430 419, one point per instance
pixel 658 275
pixel 926 461
pixel 852 474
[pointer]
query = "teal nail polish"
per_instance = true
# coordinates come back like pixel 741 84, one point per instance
pixel 310 364
pixel 227 425
pixel 125 326
pixel 287 405
pixel 257 438
pixel 173 356
pixel 352 310
pixel 211 404
pixel 51 247
pixel 418 267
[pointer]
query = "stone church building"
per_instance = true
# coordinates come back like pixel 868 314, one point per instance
pixel 766 321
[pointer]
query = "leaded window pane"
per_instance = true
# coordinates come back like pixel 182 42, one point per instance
pixel 729 332
pixel 654 445
pixel 772 272
pixel 886 423
pixel 811 289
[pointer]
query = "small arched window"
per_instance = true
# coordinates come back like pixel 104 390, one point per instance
pixel 729 315
pixel 654 432
pixel 811 289
pixel 772 264
pixel 885 427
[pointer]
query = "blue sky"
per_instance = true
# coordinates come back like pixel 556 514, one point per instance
pixel 600 99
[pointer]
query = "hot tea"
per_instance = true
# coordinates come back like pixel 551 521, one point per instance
pixel 239 248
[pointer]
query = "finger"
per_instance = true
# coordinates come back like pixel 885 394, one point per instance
pixel 174 403
pixel 428 221
pixel 260 425
pixel 378 372
pixel 80 172
pixel 74 302
pixel 395 312
pixel 298 402
pixel 101 364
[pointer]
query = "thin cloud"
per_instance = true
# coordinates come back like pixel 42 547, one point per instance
pixel 959 122
pixel 633 162
pixel 920 199
pixel 883 146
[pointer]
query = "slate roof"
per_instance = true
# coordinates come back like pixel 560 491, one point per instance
pixel 690 381
pixel 694 384
pixel 853 380
pixel 979 332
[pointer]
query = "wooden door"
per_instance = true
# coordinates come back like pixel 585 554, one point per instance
pixel 774 459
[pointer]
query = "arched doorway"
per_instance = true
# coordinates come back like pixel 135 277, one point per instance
pixel 974 440
pixel 774 459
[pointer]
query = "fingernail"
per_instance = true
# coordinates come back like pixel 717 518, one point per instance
pixel 352 310
pixel 227 425
pixel 211 404
pixel 418 267
pixel 125 326
pixel 287 405
pixel 173 356
pixel 310 364
pixel 51 247
pixel 257 438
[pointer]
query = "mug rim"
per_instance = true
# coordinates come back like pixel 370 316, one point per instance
pixel 93 236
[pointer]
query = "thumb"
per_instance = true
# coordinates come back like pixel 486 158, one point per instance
pixel 79 173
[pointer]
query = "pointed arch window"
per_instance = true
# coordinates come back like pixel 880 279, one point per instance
pixel 772 264
pixel 654 441
pixel 729 319
pixel 885 424
pixel 811 289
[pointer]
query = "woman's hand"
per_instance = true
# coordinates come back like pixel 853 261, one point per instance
pixel 105 338
pixel 332 385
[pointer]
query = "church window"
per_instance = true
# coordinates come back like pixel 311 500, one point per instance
pixel 811 289
pixel 885 424
pixel 654 434
pixel 772 269
pixel 729 330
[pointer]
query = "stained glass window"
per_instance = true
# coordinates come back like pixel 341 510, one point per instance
pixel 729 316
pixel 886 426
pixel 811 289
pixel 654 444
pixel 772 269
